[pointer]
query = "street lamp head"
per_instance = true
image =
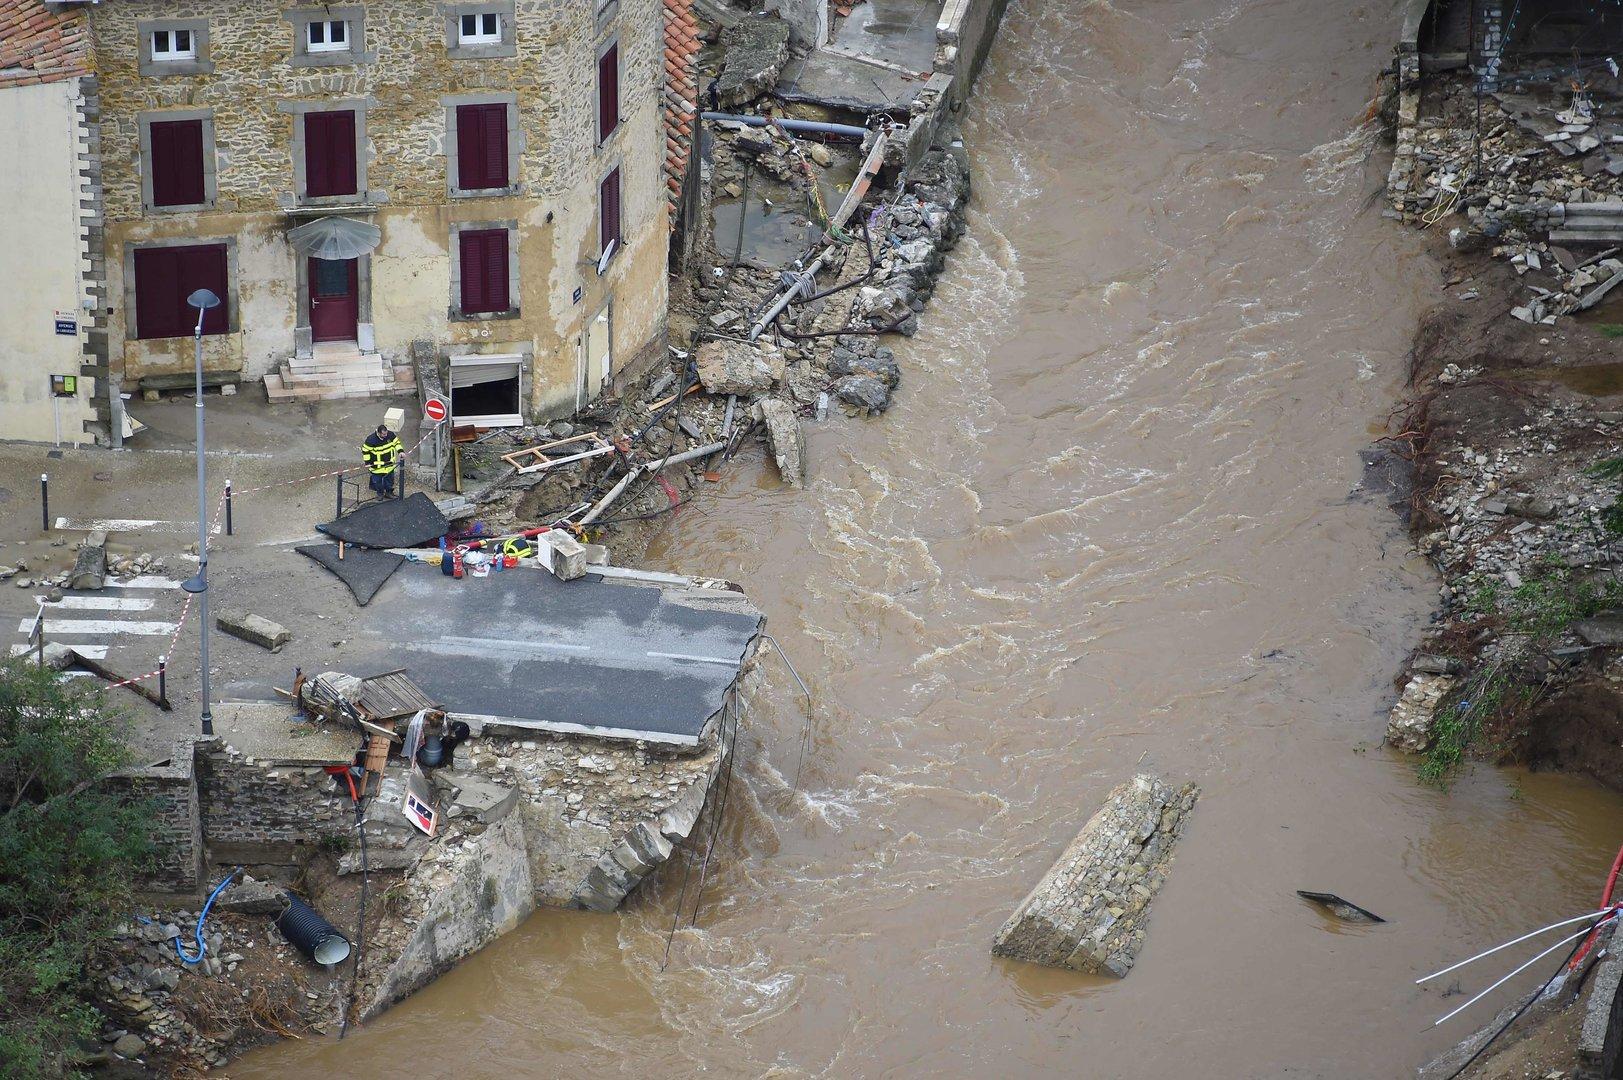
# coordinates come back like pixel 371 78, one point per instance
pixel 202 299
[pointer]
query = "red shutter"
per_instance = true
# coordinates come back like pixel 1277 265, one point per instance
pixel 608 202
pixel 483 254
pixel 494 120
pixel 481 146
pixel 177 162
pixel 495 270
pixel 329 153
pixel 608 92
pixel 165 277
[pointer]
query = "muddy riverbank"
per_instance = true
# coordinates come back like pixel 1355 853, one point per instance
pixel 1110 518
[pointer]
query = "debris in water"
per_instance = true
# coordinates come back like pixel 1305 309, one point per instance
pixel 1341 909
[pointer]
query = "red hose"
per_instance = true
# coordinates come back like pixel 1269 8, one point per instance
pixel 1605 902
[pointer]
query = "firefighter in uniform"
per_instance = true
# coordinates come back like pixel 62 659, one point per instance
pixel 381 453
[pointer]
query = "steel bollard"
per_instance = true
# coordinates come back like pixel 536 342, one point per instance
pixel 45 502
pixel 228 508
pixel 340 512
pixel 163 679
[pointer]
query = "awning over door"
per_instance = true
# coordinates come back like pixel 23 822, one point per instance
pixel 334 238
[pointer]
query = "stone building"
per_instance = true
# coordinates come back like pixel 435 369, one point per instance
pixel 49 388
pixel 365 185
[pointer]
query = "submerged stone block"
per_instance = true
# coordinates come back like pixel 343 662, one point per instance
pixel 1089 912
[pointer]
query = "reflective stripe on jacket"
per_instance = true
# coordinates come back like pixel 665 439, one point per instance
pixel 380 456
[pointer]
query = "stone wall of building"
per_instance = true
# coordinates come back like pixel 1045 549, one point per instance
pixel 257 813
pixel 42 307
pixel 402 85
pixel 171 790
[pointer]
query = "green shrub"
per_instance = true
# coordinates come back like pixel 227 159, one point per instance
pixel 69 852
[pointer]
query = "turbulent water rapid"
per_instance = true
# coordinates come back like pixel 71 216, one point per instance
pixel 1110 524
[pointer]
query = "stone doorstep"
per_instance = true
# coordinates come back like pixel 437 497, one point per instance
pixel 333 371
pixel 368 367
pixel 331 382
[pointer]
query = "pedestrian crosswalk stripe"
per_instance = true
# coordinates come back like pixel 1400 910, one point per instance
pixel 58 627
pixel 97 603
pixel 144 581
pixel 93 652
pixel 128 525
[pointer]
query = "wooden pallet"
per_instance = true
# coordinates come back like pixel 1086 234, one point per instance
pixel 533 459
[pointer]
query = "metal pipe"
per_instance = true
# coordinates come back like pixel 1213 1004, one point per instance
pixel 802 284
pixel 650 466
pixel 45 502
pixel 814 126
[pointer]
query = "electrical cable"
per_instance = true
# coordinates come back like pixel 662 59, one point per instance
pixel 1517 971
pixel 1514 941
pixel 1517 1015
pixel 721 810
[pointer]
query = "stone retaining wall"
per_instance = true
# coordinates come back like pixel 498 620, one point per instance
pixel 263 813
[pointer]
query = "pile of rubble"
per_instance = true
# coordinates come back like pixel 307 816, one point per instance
pixel 1546 172
pixel 1513 524
pixel 176 1016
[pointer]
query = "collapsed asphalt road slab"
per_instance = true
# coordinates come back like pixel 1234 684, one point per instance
pixel 623 659
pixel 364 570
pixel 390 523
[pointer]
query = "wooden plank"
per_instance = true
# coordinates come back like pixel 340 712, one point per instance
pixel 375 729
pixel 539 450
pixel 662 402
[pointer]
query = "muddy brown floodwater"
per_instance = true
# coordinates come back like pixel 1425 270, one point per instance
pixel 1108 523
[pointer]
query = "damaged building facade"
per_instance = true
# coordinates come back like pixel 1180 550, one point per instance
pixel 369 184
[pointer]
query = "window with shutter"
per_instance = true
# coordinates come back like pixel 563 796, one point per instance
pixel 608 212
pixel 608 92
pixel 484 267
pixel 166 276
pixel 177 162
pixel 329 153
pixel 481 147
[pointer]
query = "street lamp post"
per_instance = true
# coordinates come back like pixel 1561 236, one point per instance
pixel 198 586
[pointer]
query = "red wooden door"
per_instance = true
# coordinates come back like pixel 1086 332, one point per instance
pixel 334 309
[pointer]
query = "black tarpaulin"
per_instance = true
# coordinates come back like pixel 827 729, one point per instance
pixel 389 523
pixel 362 569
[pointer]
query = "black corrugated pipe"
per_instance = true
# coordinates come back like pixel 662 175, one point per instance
pixel 815 127
pixel 312 935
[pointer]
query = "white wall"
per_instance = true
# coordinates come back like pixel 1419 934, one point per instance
pixel 40 263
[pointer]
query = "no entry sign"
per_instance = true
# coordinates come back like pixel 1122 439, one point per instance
pixel 434 409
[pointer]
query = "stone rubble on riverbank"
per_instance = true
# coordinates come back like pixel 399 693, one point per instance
pixel 1550 182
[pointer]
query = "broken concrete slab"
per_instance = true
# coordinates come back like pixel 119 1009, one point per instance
pixel 1409 725
pixel 390 523
pixel 255 629
pixel 475 796
pixel 1089 911
pixel 785 439
pixel 753 52
pixel 90 566
pixel 738 367
pixel 251 897
pixel 364 570
pixel 383 857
